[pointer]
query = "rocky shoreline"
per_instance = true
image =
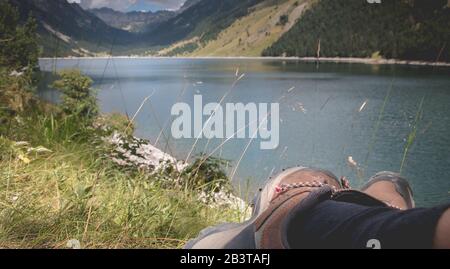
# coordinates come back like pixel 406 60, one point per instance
pixel 140 153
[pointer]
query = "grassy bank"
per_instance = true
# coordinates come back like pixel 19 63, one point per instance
pixel 72 193
pixel 60 185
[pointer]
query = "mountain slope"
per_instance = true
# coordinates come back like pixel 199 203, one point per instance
pixel 187 4
pixel 66 29
pixel 250 35
pixel 407 29
pixel 204 19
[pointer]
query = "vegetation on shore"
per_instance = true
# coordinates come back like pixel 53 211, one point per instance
pixel 59 184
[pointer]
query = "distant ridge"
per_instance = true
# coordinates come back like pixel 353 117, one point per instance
pixel 135 21
pixel 67 29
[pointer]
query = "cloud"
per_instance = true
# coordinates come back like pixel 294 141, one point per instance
pixel 125 5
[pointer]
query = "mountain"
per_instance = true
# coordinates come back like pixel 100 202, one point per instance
pixel 251 34
pixel 248 35
pixel 403 29
pixel 187 4
pixel 407 29
pixel 66 29
pixel 136 21
pixel 203 19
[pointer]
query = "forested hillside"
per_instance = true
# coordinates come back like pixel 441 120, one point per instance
pixel 406 29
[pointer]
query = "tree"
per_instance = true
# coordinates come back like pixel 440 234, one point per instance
pixel 78 98
pixel 18 43
pixel 19 53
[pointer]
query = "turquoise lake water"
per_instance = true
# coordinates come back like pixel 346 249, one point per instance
pixel 321 124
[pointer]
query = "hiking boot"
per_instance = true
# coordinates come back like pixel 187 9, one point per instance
pixel 392 189
pixel 293 190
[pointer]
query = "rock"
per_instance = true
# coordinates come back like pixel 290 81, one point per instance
pixel 136 152
pixel 15 74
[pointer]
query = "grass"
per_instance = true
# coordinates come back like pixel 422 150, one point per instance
pixel 58 184
pixel 72 192
pixel 412 135
pixel 373 139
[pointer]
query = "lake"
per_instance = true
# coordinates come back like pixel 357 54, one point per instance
pixel 370 113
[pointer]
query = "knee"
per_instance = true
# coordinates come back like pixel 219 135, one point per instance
pixel 442 235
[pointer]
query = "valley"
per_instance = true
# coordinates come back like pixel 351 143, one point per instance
pixel 249 28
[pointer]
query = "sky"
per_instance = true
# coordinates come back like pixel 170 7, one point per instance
pixel 130 5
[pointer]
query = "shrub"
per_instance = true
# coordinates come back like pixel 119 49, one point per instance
pixel 284 19
pixel 207 174
pixel 376 56
pixel 78 98
pixel 115 122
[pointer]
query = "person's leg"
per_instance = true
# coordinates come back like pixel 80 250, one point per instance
pixel 300 208
pixel 386 188
pixel 290 187
pixel 337 224
pixel 442 235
